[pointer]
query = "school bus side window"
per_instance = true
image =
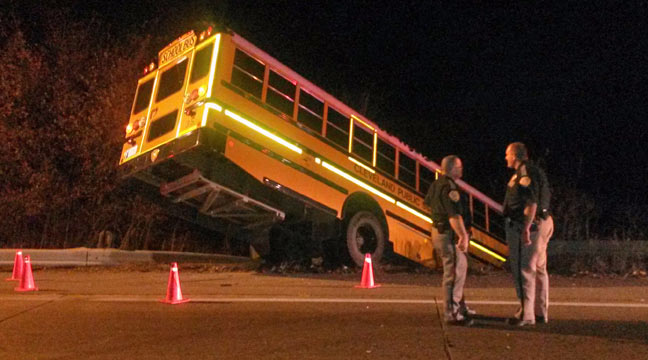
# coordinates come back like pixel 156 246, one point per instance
pixel 362 143
pixel 201 63
pixel 247 73
pixel 426 178
pixel 143 96
pixel 171 80
pixel 281 93
pixel 407 170
pixel 311 111
pixel 337 128
pixel 385 157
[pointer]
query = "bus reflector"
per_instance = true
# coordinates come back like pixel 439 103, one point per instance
pixel 491 253
pixel 263 131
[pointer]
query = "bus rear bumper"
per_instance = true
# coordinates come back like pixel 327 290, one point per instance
pixel 172 159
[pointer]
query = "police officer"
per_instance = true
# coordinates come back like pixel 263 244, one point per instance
pixel 529 227
pixel 444 200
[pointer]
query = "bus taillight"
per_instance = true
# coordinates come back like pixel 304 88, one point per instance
pixel 149 68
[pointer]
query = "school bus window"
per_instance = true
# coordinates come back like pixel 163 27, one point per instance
pixel 337 128
pixel 362 143
pixel 407 170
pixel 426 178
pixel 310 111
pixel 171 80
pixel 143 96
pixel 385 157
pixel 280 93
pixel 201 63
pixel 162 125
pixel 247 73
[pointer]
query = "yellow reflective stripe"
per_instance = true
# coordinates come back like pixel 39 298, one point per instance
pixel 263 131
pixel 415 212
pixel 206 111
pixel 363 123
pixel 362 165
pixel 213 65
pixel 358 182
pixel 489 252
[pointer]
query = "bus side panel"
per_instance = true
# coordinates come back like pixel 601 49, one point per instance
pixel 262 166
pixel 485 239
pixel 410 243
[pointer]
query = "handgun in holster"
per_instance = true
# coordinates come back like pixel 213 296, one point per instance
pixel 441 227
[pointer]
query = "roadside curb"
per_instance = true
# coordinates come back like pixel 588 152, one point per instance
pixel 110 257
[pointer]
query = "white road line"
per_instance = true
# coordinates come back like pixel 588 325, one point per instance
pixel 126 298
pixel 360 301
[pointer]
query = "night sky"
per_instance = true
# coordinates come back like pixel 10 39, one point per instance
pixel 568 80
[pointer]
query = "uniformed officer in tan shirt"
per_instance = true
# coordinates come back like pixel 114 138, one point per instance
pixel 447 212
pixel 528 230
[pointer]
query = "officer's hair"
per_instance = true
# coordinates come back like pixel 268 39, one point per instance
pixel 519 150
pixel 448 163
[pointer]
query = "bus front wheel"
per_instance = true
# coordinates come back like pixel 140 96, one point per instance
pixel 365 234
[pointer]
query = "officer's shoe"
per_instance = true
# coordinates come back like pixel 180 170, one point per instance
pixel 458 319
pixel 542 319
pixel 523 323
pixel 466 311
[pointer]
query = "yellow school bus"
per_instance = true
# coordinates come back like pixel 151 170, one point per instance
pixel 223 128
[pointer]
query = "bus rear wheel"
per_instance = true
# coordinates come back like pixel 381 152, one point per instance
pixel 365 235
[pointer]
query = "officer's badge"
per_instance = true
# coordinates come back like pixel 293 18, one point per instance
pixel 525 181
pixel 511 182
pixel 454 195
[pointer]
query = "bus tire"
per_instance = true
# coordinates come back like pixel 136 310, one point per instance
pixel 365 234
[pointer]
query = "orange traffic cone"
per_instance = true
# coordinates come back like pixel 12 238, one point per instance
pixel 174 294
pixel 367 281
pixel 27 279
pixel 18 267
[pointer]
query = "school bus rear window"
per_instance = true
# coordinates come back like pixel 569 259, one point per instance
pixel 171 80
pixel 202 61
pixel 143 96
pixel 162 125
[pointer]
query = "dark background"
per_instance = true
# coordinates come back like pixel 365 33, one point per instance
pixel 568 79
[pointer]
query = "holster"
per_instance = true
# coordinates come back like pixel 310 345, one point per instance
pixel 441 227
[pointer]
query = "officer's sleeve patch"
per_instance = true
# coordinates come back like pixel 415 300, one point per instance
pixel 525 181
pixel 454 195
pixel 511 182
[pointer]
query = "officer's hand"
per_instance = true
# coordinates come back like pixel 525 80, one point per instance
pixel 462 243
pixel 526 236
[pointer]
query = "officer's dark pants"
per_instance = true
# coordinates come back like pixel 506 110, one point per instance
pixel 529 266
pixel 455 266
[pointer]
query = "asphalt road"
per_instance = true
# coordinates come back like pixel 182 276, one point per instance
pixel 116 314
